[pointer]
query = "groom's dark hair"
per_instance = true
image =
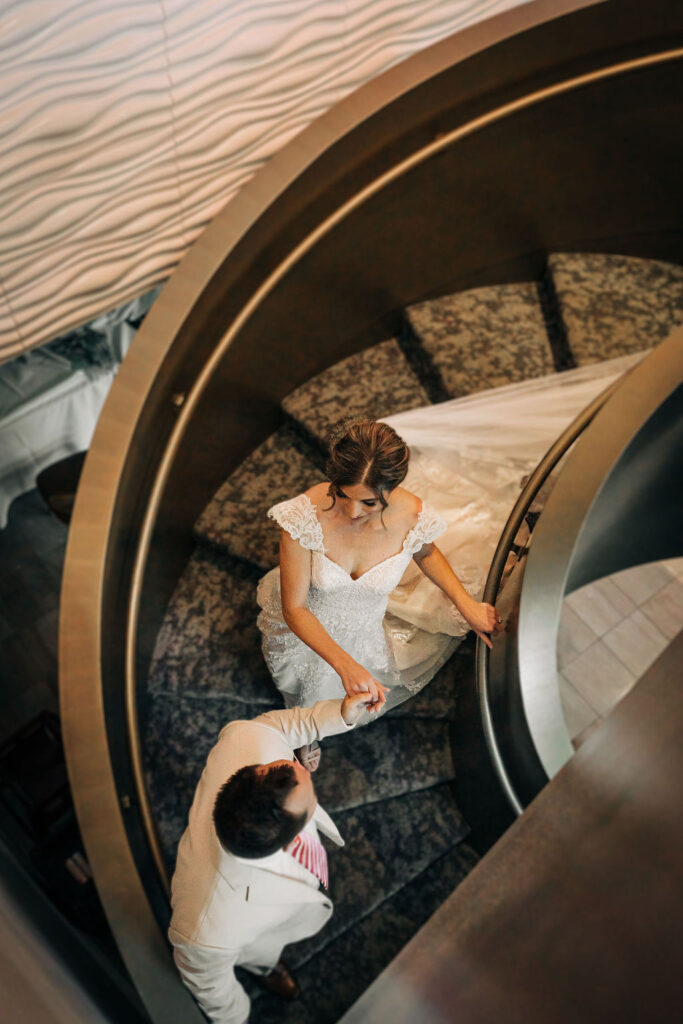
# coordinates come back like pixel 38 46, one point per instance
pixel 249 814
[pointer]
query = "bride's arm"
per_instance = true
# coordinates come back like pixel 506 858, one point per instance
pixel 295 580
pixel 482 617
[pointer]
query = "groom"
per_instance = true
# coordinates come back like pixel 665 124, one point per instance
pixel 249 866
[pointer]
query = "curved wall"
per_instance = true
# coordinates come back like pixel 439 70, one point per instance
pixel 126 126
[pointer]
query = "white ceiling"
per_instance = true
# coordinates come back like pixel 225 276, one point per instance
pixel 125 125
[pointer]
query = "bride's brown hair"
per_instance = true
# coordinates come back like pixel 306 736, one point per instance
pixel 366 452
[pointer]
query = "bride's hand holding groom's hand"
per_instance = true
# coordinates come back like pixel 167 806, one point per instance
pixel 356 679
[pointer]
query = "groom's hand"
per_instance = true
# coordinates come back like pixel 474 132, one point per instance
pixel 355 704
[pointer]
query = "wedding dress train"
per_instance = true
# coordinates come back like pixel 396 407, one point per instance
pixel 468 459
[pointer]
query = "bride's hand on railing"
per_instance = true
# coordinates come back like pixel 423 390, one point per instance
pixel 357 679
pixel 484 620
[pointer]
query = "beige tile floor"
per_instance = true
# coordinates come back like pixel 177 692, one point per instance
pixel 610 633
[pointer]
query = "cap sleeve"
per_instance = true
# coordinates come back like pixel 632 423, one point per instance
pixel 297 516
pixel 428 527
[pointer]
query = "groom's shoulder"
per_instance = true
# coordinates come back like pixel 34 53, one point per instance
pixel 245 738
pixel 246 725
pixel 239 731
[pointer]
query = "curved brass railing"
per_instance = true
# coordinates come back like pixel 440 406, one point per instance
pixel 617 503
pixel 526 497
pixel 606 433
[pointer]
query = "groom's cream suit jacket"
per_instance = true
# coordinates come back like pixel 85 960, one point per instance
pixel 228 910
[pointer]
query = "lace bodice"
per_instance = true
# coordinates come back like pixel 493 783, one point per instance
pixel 299 518
pixel 351 610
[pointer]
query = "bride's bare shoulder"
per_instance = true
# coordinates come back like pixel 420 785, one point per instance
pixel 317 493
pixel 408 506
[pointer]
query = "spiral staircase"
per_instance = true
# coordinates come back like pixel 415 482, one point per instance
pixel 549 129
pixel 389 787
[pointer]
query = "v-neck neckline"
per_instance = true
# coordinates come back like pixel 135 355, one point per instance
pixel 389 558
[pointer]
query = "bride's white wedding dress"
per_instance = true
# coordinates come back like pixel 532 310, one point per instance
pixel 468 459
pixel 352 612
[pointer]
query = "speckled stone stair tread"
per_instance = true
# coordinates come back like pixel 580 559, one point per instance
pixel 209 642
pixel 235 518
pixel 484 338
pixel 380 935
pixel 437 700
pixel 381 760
pixel 178 733
pixel 613 305
pixel 387 844
pixel 374 383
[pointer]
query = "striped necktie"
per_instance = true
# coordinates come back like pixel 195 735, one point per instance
pixel 310 852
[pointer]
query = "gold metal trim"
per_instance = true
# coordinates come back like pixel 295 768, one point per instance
pixel 185 413
pixel 602 448
pixel 544 468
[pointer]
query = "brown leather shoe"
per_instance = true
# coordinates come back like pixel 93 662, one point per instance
pixel 280 982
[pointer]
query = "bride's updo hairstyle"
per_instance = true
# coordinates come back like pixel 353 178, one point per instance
pixel 366 452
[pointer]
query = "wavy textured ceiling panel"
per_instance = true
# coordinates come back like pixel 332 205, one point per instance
pixel 125 125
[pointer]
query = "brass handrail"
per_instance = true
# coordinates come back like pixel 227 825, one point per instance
pixel 533 485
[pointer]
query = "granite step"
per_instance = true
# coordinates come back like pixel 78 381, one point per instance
pixel 484 338
pixel 383 760
pixel 209 644
pixel 235 519
pixel 178 732
pixel 379 934
pixel 438 699
pixel 370 384
pixel 387 844
pixel 614 305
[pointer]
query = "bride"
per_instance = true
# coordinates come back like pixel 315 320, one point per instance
pixel 345 545
pixel 354 603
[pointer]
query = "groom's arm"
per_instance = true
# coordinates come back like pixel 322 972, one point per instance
pixel 300 726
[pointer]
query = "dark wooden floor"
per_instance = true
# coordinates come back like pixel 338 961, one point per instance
pixel 31 557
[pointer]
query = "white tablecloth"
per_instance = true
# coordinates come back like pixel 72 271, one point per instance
pixel 56 423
